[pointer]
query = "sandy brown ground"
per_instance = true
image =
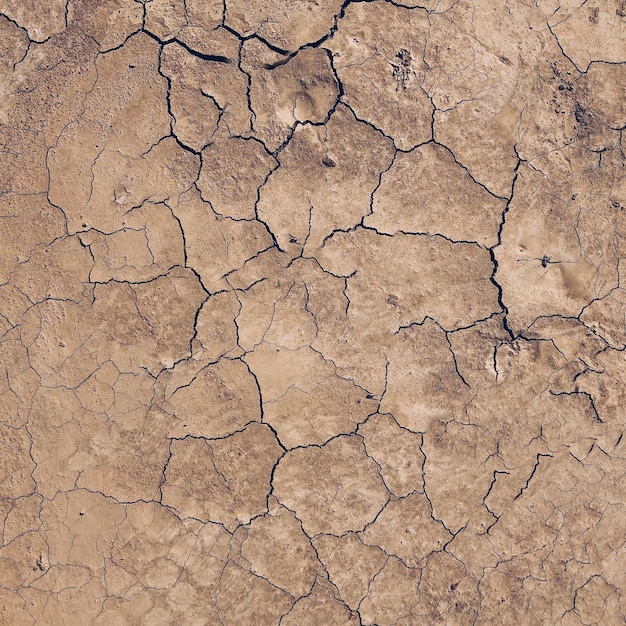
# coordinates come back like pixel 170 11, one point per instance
pixel 311 312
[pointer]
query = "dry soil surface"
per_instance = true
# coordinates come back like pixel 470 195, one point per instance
pixel 311 312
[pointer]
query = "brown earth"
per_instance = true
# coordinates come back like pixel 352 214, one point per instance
pixel 311 312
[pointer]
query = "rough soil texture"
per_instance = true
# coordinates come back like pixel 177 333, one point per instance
pixel 311 312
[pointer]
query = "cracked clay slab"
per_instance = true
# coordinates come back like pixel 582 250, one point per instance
pixel 311 312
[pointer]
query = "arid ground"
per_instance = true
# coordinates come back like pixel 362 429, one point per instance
pixel 311 312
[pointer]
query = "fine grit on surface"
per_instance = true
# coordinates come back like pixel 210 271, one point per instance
pixel 311 312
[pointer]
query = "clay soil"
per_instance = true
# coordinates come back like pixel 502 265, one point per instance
pixel 311 312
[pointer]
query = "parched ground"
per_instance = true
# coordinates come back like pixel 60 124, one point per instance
pixel 311 312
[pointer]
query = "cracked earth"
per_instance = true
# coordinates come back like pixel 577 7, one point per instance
pixel 311 312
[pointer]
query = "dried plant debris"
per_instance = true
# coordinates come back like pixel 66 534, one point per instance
pixel 311 313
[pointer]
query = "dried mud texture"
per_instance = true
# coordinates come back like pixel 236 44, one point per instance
pixel 311 313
